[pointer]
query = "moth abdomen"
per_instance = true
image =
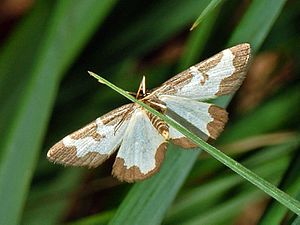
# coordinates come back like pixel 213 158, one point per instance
pixel 160 125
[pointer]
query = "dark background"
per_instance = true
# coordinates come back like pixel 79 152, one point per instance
pixel 46 49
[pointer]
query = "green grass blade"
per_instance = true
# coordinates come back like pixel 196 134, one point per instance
pixel 16 77
pixel 226 210
pixel 200 198
pixel 212 5
pixel 255 30
pixel 146 32
pixel 272 115
pixel 296 221
pixel 197 40
pixel 153 211
pixel 275 213
pixel 67 30
pixel 99 219
pixel 264 185
pixel 57 194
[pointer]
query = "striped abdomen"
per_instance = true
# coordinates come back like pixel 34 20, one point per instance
pixel 160 125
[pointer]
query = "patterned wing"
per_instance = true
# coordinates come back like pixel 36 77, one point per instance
pixel 204 119
pixel 142 150
pixel 220 74
pixel 94 143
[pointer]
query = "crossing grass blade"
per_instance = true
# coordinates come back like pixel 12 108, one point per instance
pixel 275 212
pixel 200 198
pixel 259 182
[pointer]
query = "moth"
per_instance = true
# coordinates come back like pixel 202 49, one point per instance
pixel 141 138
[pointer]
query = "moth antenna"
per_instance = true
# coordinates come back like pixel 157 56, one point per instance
pixel 142 87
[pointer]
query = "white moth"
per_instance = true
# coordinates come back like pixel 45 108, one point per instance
pixel 140 137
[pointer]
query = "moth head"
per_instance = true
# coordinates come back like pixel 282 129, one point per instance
pixel 165 134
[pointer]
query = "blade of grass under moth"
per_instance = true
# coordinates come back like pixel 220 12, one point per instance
pixel 259 182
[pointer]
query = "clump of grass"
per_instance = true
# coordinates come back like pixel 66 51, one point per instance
pixel 46 96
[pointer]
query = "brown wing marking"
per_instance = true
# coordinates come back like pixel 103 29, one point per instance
pixel 89 130
pixel 207 65
pixel 241 63
pixel 92 156
pixel 133 173
pixel 220 117
pixel 67 156
pixel 184 142
pixel 238 59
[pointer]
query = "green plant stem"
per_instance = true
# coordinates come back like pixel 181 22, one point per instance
pixel 264 185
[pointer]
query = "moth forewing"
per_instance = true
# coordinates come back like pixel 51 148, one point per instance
pixel 218 75
pixel 142 150
pixel 94 143
pixel 241 60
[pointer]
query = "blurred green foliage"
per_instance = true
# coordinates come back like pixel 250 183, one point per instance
pixel 45 93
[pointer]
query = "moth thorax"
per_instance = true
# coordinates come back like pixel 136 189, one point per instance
pixel 157 104
pixel 160 125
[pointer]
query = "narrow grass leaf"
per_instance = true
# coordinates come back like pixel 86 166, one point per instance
pixel 296 221
pixel 221 213
pixel 157 192
pixel 257 22
pixel 67 30
pixel 57 194
pixel 99 219
pixel 272 115
pixel 200 198
pixel 275 213
pixel 17 77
